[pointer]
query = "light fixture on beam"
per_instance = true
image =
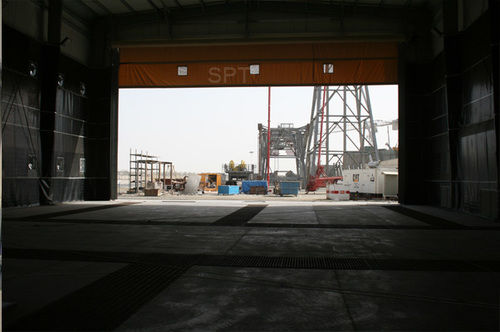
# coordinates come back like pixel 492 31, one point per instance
pixel 255 69
pixel 182 70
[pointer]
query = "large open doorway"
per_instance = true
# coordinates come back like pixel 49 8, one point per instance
pixel 219 133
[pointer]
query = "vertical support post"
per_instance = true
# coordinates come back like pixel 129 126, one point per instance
pixel 268 132
pixel 130 169
pixel 327 143
pixel 372 123
pixel 358 88
pixel 344 134
pixel 1 115
pixel 49 68
pixel 145 174
pixel 152 174
pixel 164 176
pixel 321 126
pixel 316 129
pixel 494 9
pixel 137 170
pixel 308 150
pixel 404 179
pixel 453 92
pixel 171 175
pixel 259 160
pixel 113 124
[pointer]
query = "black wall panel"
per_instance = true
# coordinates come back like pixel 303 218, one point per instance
pixel 20 120
pixel 78 167
pixel 476 164
pixel 457 112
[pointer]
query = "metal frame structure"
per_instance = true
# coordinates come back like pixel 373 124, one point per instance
pixel 142 167
pixel 157 173
pixel 340 112
pixel 286 142
pixel 137 170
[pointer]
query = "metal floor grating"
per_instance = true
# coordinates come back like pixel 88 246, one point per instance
pixel 104 304
pixel 108 302
pixel 354 263
pixel 297 262
pixel 254 225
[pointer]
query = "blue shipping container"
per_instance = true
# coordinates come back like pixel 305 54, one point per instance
pixel 289 187
pixel 228 190
pixel 245 185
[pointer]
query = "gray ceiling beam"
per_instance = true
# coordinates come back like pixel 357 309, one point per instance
pixel 280 7
pixel 163 14
pixel 85 23
pixel 166 18
pixel 76 16
pixel 126 4
pixel 395 22
pixel 314 8
pixel 104 8
pixel 155 7
pixel 202 3
pixel 178 4
pixel 90 9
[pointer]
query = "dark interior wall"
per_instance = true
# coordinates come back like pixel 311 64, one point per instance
pixel 495 56
pixel 20 120
pixel 78 125
pixel 70 133
pixel 102 147
pixel 448 132
pixel 476 173
pixel 437 185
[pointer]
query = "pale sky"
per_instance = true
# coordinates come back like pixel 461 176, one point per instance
pixel 200 129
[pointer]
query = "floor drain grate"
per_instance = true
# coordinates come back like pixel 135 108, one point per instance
pixel 354 263
pixel 104 304
pixel 254 225
pixel 325 263
pixel 321 263
pixel 241 216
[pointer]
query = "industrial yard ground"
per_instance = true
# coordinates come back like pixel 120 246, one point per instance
pixel 320 195
pixel 192 263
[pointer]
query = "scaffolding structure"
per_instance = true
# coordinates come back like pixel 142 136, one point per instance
pixel 147 172
pixel 287 142
pixel 137 170
pixel 342 127
pixel 155 173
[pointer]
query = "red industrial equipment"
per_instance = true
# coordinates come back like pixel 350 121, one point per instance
pixel 320 179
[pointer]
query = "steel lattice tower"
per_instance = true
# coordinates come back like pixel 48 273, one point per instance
pixel 287 142
pixel 342 124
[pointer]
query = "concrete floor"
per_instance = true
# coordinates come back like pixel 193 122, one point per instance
pixel 248 265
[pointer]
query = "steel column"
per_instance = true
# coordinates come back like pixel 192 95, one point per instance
pixel 372 123
pixel 453 81
pixel 49 68
pixel 494 9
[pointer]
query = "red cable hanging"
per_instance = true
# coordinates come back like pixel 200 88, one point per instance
pixel 268 133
